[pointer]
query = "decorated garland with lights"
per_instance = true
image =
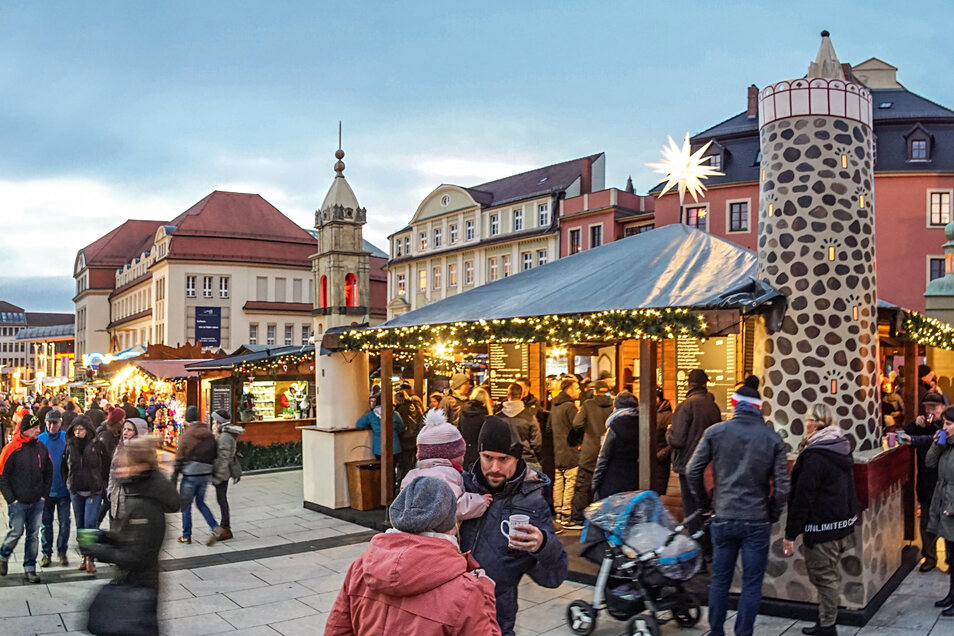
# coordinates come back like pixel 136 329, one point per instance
pixel 268 365
pixel 617 324
pixel 928 331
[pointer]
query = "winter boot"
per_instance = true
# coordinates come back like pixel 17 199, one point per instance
pixel 63 560
pixel 45 561
pixel 226 533
pixel 811 631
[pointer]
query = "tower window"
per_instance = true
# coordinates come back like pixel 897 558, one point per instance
pixel 351 290
pixel 323 291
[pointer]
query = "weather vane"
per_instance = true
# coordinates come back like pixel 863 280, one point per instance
pixel 684 169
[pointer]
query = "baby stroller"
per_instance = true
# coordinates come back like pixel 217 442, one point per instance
pixel 645 558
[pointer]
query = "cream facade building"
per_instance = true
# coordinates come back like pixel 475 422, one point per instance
pixel 462 237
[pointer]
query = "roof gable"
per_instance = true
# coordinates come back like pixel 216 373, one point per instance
pixel 121 244
pixel 237 215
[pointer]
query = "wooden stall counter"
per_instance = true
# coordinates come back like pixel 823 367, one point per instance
pixel 265 432
pixel 325 453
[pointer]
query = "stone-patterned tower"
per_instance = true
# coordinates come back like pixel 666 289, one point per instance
pixel 341 266
pixel 816 245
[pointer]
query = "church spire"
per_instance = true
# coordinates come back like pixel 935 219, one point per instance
pixel 339 155
pixel 826 64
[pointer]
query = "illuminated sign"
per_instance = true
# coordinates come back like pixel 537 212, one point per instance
pixel 94 360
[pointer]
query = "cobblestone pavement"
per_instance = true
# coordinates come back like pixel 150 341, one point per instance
pixel 281 573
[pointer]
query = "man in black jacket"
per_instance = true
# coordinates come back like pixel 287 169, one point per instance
pixel 690 420
pixel 26 474
pixel 566 456
pixel 748 458
pixel 592 418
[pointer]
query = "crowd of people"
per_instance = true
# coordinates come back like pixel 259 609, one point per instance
pixel 78 468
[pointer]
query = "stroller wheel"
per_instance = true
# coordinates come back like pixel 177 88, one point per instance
pixel 643 625
pixel 581 617
pixel 687 616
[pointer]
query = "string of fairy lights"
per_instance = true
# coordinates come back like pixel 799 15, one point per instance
pixel 272 365
pixel 928 331
pixel 617 324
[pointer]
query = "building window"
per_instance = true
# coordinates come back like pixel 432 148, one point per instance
pixel 715 161
pixel 207 287
pixel 517 220
pixel 596 236
pixel 398 244
pixel 505 261
pixel 223 287
pixel 492 269
pixel 280 290
pixel 696 216
pixel 452 231
pixel 407 244
pixel 576 244
pixel 422 245
pixel 305 334
pixel 422 280
pixel 401 284
pixel 436 277
pixel 527 258
pixel 289 334
pixel 632 230
pixel 541 257
pixel 543 214
pixel 437 236
pixel 323 291
pixel 940 207
pixel 468 272
pixel 494 224
pixel 190 286
pixel 919 150
pixel 351 290
pixel 296 290
pixel 253 334
pixel 936 268
pixel 738 216
pixel 452 274
pixel 261 288
pixel 270 335
pixel 469 231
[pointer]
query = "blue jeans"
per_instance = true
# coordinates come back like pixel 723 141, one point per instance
pixel 61 506
pixel 23 517
pixel 193 489
pixel 729 536
pixel 86 510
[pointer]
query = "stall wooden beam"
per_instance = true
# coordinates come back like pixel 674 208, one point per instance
pixel 541 380
pixel 909 396
pixel 620 366
pixel 647 411
pixel 570 360
pixel 419 376
pixel 387 427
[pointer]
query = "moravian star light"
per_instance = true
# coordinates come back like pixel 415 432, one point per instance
pixel 684 169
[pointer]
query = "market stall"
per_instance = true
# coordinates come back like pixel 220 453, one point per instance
pixel 271 390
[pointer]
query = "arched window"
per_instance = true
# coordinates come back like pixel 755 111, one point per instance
pixel 351 290
pixel 323 291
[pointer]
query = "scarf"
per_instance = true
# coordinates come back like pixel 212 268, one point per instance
pixel 630 410
pixel 18 440
pixel 822 434
pixel 436 535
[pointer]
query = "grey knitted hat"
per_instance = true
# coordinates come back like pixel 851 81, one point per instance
pixel 427 504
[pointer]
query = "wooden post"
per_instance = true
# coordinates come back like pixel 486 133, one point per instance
pixel 910 398
pixel 647 411
pixel 620 364
pixel 543 391
pixel 570 360
pixel 387 428
pixel 419 376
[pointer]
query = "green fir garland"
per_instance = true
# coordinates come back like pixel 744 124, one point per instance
pixel 617 324
pixel 928 331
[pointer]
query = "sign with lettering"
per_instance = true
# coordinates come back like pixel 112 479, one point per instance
pixel 507 363
pixel 221 397
pixel 208 326
pixel 718 357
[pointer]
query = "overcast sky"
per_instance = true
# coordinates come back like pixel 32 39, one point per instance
pixel 117 110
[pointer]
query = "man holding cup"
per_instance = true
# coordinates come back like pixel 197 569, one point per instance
pixel 515 535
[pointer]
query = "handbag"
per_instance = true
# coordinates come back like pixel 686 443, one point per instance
pixel 119 609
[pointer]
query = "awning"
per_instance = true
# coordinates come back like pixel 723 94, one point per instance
pixel 674 266
pixel 166 369
pixel 249 353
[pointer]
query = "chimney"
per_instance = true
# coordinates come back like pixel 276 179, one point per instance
pixel 753 104
pixel 586 176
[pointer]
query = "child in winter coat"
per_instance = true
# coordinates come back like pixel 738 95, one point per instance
pixel 440 453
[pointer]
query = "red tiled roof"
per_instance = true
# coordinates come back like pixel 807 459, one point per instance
pixel 121 244
pixel 246 250
pixel 167 369
pixel 44 319
pixel 261 305
pixel 238 215
pixel 10 307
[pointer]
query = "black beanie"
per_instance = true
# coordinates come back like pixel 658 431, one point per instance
pixel 28 422
pixel 497 436
pixel 923 370
pixel 698 377
pixel 748 392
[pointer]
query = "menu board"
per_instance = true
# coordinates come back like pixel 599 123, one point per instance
pixel 508 362
pixel 718 357
pixel 221 398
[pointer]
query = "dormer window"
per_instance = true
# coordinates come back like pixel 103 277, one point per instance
pixel 919 143
pixel 715 161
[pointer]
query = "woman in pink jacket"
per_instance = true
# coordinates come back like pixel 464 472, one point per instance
pixel 413 579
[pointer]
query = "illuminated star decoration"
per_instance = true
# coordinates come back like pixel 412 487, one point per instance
pixel 684 169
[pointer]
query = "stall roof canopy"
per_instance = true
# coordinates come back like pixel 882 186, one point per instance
pixel 166 369
pixel 249 353
pixel 673 266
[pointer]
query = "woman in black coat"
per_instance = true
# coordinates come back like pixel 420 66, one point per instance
pixel 135 547
pixel 82 469
pixel 472 416
pixel 617 468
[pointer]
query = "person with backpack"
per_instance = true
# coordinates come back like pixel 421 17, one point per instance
pixel 195 459
pixel 226 466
